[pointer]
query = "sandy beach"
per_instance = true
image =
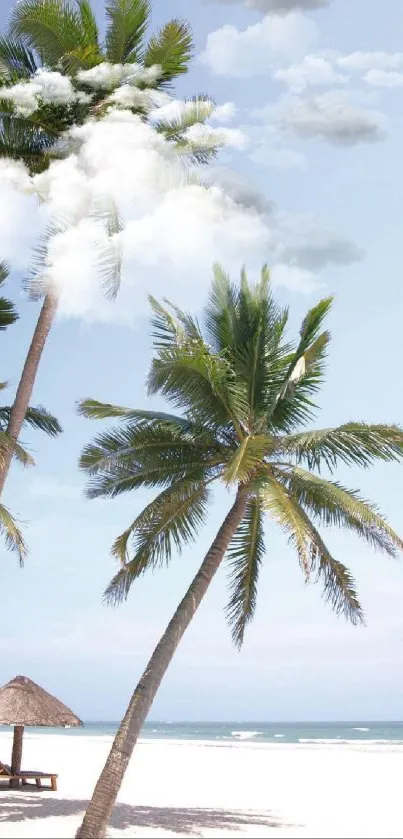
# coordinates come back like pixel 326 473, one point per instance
pixel 188 789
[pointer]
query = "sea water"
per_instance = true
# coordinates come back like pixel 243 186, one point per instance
pixel 309 733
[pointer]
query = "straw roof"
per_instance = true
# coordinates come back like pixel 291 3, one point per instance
pixel 22 702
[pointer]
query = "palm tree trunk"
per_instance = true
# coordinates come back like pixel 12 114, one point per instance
pixel 27 380
pixel 96 819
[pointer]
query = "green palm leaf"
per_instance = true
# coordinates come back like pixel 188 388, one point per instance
pixel 245 556
pixel 313 555
pixel 8 312
pixel 16 60
pixel 12 535
pixel 51 28
pixel 334 505
pixel 149 455
pixel 8 444
pixel 88 22
pixel 172 49
pixel 247 458
pixel 354 443
pixel 173 518
pixel 127 25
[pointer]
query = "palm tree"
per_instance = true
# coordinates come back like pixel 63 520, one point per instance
pixel 244 394
pixel 37 418
pixel 63 35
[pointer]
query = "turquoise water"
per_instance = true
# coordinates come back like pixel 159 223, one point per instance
pixel 233 732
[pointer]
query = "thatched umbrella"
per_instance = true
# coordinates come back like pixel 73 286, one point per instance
pixel 22 702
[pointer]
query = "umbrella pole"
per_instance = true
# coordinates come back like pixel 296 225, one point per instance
pixel 17 753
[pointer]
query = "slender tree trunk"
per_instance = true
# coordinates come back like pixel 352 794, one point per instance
pixel 96 819
pixel 16 756
pixel 27 380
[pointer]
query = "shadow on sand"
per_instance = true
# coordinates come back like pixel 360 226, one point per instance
pixel 20 806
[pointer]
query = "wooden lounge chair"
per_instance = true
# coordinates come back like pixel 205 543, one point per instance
pixel 38 777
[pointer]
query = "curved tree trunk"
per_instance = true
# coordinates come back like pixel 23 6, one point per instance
pixel 27 380
pixel 96 819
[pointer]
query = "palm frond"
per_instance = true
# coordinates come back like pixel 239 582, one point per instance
pixel 339 587
pixel 22 139
pixel 12 535
pixel 92 409
pixel 282 508
pixel 8 312
pixel 247 458
pixel 155 454
pixel 41 419
pixel 88 22
pixel 191 112
pixel 109 256
pixel 50 28
pixel 191 376
pixel 245 555
pixel 8 444
pixel 336 506
pixel 354 443
pixel 127 25
pixel 172 49
pixel 169 521
pixel 16 61
pixel 292 404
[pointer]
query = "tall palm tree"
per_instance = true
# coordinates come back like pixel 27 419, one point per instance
pixel 63 35
pixel 37 418
pixel 245 396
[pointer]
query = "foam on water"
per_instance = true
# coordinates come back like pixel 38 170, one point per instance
pixel 251 734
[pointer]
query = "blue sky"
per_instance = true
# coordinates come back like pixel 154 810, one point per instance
pixel 318 98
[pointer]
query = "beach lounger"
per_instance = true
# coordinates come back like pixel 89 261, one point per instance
pixel 38 777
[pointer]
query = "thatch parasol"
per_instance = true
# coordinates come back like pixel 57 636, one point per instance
pixel 23 702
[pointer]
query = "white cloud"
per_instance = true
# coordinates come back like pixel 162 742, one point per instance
pixel 384 78
pixel 240 189
pixel 361 61
pixel 173 227
pixel 204 135
pixel 331 117
pixel 312 70
pixel 280 6
pixel 45 86
pixel 177 109
pixel 224 113
pixel 252 51
pixel 168 220
pixel 106 76
pixel 310 244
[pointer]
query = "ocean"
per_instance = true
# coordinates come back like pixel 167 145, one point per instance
pixel 332 733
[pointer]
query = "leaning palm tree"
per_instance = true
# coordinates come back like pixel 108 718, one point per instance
pixel 244 394
pixel 37 418
pixel 63 36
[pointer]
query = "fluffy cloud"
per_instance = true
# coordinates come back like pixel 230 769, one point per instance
pixel 252 51
pixel 240 189
pixel 384 78
pixel 280 6
pixel 331 117
pixel 311 245
pixel 172 225
pixel 362 61
pixel 312 70
pixel 47 86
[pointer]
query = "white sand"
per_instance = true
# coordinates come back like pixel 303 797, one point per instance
pixel 199 789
